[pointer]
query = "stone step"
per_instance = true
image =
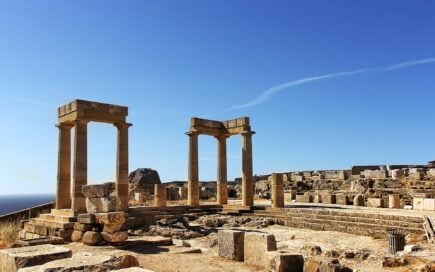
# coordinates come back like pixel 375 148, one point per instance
pixel 62 212
pixel 51 224
pixel 368 220
pixel 57 218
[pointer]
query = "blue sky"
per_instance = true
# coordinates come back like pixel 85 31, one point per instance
pixel 170 60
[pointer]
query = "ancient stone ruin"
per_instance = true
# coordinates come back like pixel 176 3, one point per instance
pixel 284 230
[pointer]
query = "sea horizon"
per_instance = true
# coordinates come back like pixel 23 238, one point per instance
pixel 15 202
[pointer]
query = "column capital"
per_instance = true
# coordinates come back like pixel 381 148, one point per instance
pixel 192 133
pixel 64 125
pixel 122 125
pixel 222 137
pixel 81 121
pixel 247 133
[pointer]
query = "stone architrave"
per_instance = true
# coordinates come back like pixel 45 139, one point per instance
pixel 277 191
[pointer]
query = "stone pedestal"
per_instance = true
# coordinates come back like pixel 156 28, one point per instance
pixel 247 171
pixel 160 195
pixel 277 191
pixel 193 179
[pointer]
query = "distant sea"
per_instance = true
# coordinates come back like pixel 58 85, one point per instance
pixel 12 203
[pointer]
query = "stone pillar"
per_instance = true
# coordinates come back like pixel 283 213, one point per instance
pixel 80 167
pixel 63 190
pixel 277 191
pixel 394 201
pixel 247 172
pixel 160 195
pixel 122 164
pixel 193 179
pixel 221 186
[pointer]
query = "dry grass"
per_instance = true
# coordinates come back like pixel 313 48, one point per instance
pixel 8 233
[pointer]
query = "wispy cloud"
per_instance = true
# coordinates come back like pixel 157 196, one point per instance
pixel 267 94
pixel 35 102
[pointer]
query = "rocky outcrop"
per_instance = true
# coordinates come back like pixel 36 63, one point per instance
pixel 142 180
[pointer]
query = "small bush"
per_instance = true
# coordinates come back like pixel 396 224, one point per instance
pixel 8 233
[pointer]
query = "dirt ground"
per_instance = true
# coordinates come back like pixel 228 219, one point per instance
pixel 175 258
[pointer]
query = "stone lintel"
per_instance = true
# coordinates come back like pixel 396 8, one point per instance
pixel 217 128
pixel 94 111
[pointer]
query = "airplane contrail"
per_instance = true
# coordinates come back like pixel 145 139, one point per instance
pixel 267 94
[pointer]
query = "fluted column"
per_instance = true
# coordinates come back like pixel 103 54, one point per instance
pixel 277 191
pixel 122 164
pixel 192 180
pixel 247 172
pixel 63 190
pixel 221 186
pixel 80 168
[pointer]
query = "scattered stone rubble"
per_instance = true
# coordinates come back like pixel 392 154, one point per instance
pixel 103 222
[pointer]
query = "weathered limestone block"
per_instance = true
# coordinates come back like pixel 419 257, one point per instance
pixel 429 204
pixel 281 261
pixel 12 259
pixel 397 174
pixel 231 244
pixel 328 198
pixel 375 202
pixel 324 264
pixel 83 227
pixel 394 201
pixel 77 236
pixel 86 218
pixel 102 204
pixel 358 200
pixel 91 238
pixel 256 245
pixel 116 237
pixel 300 198
pixel 110 218
pixel 98 190
pixel 82 261
pixel 342 199
pixel 308 197
pixel 418 203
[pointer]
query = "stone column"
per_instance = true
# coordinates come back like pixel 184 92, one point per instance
pixel 221 185
pixel 247 172
pixel 394 201
pixel 160 195
pixel 63 190
pixel 277 191
pixel 80 168
pixel 122 164
pixel 193 179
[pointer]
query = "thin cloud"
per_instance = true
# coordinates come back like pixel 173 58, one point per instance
pixel 35 102
pixel 267 94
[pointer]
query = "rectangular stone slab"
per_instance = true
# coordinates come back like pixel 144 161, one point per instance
pixel 231 244
pixel 257 244
pixel 12 259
